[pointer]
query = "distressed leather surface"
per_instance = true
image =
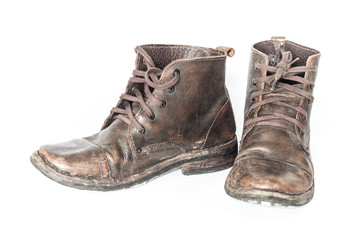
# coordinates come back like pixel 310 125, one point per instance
pixel 271 158
pixel 198 115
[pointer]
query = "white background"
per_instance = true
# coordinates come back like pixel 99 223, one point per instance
pixel 63 65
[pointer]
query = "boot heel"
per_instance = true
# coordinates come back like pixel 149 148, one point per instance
pixel 210 165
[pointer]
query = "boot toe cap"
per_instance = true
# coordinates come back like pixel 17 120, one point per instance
pixel 271 176
pixel 79 158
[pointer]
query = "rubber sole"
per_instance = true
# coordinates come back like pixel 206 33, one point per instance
pixel 192 162
pixel 269 198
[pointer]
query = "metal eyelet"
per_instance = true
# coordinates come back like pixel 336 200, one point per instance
pixel 252 81
pixel 164 103
pixel 142 131
pixel 176 71
pixel 152 118
pixel 172 89
pixel 256 62
pixel 133 89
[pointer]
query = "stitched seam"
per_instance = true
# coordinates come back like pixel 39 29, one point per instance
pixel 106 158
pixel 257 110
pixel 132 143
pixel 297 131
pixel 225 146
pixel 213 122
pixel 184 47
pixel 100 168
pixel 164 144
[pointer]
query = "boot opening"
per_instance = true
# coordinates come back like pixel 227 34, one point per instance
pixel 162 55
pixel 273 49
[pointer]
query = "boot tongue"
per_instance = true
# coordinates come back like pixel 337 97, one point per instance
pixel 140 64
pixel 274 59
pixel 276 49
pixel 144 60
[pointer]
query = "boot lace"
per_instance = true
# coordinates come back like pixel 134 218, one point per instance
pixel 150 78
pixel 295 85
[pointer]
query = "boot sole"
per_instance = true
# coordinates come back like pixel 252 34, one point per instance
pixel 269 198
pixel 193 162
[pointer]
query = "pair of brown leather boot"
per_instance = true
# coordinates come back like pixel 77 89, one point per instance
pixel 176 113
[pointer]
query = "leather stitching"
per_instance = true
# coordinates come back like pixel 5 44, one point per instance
pixel 298 115
pixel 213 122
pixel 165 144
pixel 100 168
pixel 109 173
pixel 246 132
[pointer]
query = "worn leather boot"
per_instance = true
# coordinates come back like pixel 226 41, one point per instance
pixel 274 165
pixel 175 113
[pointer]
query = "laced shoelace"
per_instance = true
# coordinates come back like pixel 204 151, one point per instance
pixel 150 78
pixel 282 70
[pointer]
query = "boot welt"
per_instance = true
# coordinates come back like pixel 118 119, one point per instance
pixel 192 162
pixel 270 198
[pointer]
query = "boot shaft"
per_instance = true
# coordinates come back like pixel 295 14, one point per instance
pixel 194 106
pixel 270 53
pixel 274 162
pixel 175 113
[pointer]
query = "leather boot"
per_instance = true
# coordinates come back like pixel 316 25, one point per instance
pixel 274 164
pixel 175 113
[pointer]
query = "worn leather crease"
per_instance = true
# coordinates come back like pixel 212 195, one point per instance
pixel 175 113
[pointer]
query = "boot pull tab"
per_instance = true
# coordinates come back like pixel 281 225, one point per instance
pixel 227 50
pixel 279 38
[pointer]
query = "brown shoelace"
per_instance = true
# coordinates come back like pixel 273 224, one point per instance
pixel 283 70
pixel 150 78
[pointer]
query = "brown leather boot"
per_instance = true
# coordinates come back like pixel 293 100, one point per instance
pixel 175 113
pixel 274 165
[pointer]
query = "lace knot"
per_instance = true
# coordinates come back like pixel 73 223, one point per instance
pixel 152 75
pixel 294 86
pixel 148 79
pixel 282 67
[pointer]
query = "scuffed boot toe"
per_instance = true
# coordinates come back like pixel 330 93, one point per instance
pixel 269 182
pixel 77 163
